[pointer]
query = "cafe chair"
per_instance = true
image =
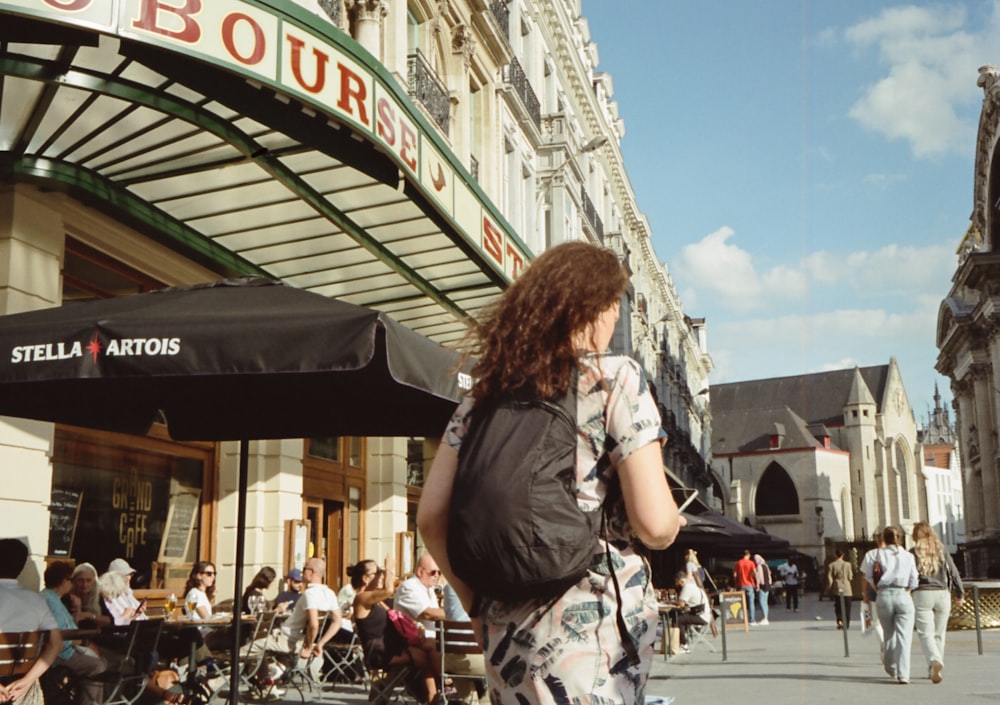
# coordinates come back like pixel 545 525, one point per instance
pixel 345 663
pixel 18 652
pixel 299 675
pixel 700 634
pixel 137 643
pixel 388 686
pixel 461 654
pixel 255 679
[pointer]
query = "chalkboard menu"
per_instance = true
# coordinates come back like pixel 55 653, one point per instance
pixel 180 523
pixel 64 511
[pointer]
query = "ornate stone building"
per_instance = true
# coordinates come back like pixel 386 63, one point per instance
pixel 968 340
pixel 408 156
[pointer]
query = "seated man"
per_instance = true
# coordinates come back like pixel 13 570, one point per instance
pixel 299 635
pixel 287 598
pixel 81 660
pixel 416 597
pixel 23 610
pixel 693 607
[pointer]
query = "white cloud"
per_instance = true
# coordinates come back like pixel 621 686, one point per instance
pixel 716 266
pixel 928 96
pixel 898 270
pixel 719 274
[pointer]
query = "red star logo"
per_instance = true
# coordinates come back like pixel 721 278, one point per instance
pixel 94 347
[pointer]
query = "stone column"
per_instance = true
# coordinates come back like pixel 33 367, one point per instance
pixel 968 444
pixel 366 19
pixel 982 380
pixel 31 252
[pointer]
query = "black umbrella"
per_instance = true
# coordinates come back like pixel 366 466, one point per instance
pixel 234 360
pixel 713 530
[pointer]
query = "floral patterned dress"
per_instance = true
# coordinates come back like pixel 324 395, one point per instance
pixel 568 650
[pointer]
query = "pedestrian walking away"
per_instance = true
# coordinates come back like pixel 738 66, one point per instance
pixel 937 582
pixel 763 593
pixel 549 330
pixel 839 576
pixel 745 579
pixel 869 595
pixel 897 577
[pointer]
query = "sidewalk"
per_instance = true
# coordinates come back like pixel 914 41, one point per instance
pixel 799 660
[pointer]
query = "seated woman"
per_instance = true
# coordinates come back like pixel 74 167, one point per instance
pixel 116 592
pixel 382 644
pixel 84 600
pixel 199 594
pixel 254 593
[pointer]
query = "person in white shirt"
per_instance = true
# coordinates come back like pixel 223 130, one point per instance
pixel 790 577
pixel 894 605
pixel 116 591
pixel 416 596
pixel 299 634
pixel 23 610
pixel 693 606
pixel 199 592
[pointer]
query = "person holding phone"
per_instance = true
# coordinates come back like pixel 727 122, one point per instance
pixel 116 591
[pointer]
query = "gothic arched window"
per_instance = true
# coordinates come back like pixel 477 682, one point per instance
pixel 776 493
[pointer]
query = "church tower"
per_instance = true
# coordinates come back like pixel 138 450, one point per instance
pixel 867 473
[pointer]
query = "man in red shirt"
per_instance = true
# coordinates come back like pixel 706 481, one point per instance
pixel 745 578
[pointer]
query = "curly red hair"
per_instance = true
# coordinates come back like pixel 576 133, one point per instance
pixel 524 341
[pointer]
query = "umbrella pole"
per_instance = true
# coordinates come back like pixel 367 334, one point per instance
pixel 241 522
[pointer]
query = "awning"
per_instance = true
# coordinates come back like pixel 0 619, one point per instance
pixel 257 139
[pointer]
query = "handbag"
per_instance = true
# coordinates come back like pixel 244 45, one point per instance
pixel 408 629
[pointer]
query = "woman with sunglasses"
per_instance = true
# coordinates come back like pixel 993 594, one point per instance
pixel 200 591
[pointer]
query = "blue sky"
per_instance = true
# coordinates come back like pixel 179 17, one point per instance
pixel 806 169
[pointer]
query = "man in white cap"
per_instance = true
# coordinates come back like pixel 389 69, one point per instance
pixel 116 590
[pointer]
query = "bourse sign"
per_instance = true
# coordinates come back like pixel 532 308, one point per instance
pixel 335 76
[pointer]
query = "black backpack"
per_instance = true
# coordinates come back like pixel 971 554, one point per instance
pixel 515 530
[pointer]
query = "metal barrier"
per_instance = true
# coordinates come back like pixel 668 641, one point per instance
pixel 981 595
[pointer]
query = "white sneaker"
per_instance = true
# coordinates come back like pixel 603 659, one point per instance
pixel 763 622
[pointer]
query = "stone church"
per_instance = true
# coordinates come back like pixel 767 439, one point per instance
pixel 830 455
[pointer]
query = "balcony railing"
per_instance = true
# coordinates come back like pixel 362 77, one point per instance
pixel 591 214
pixel 501 12
pixel 513 75
pixel 428 89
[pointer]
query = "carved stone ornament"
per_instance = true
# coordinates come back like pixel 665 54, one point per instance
pixel 367 9
pixel 463 42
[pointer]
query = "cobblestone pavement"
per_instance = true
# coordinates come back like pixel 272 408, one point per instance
pixel 799 659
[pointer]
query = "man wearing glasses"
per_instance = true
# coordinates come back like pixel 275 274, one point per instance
pixel 417 597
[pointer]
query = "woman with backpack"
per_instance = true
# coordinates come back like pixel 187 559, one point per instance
pixel 546 336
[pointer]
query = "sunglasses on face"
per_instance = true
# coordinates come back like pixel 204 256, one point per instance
pixel 209 572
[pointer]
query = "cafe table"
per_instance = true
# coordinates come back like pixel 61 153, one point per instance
pixel 668 613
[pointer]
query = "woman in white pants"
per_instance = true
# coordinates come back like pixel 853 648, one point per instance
pixel 938 580
pixel 897 577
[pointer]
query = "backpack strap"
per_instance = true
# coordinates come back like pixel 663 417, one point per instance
pixel 627 642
